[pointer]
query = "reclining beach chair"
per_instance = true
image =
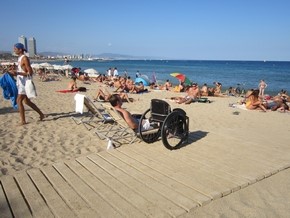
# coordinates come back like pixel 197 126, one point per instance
pixel 96 115
pixel 171 125
pixel 119 132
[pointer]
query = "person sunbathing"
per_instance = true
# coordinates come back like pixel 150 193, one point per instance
pixel 166 86
pixel 138 88
pixel 253 102
pixel 122 85
pixel 278 103
pixel 104 95
pixel 193 93
pixel 180 87
pixel 218 89
pixel 72 85
pixel 204 90
pixel 131 120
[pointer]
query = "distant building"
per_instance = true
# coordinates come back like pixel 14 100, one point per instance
pixel 32 47
pixel 23 40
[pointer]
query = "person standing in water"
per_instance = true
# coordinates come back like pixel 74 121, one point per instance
pixel 22 72
pixel 262 87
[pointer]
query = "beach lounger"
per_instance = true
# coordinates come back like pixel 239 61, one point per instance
pixel 118 133
pixel 157 121
pixel 96 115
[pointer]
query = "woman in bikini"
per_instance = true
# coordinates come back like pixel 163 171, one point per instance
pixel 253 102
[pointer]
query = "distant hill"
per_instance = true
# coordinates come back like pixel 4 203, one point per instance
pixel 115 56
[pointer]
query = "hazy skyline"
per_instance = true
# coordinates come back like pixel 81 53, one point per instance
pixel 200 30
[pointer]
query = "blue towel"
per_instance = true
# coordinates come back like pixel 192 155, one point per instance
pixel 9 87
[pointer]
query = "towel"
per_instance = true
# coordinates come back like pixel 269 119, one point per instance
pixel 66 91
pixel 9 87
pixel 79 103
pixel 239 106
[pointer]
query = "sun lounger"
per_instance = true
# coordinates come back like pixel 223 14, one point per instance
pixel 96 115
pixel 119 132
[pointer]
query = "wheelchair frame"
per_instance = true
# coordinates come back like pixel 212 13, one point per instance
pixel 170 125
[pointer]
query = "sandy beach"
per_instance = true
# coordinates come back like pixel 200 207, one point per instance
pixel 58 138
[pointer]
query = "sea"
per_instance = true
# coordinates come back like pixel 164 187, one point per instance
pixel 246 74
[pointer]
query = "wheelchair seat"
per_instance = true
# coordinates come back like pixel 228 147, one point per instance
pixel 159 110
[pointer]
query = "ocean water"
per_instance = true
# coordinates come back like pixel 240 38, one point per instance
pixel 229 73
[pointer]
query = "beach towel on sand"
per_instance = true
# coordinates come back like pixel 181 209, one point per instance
pixel 66 91
pixel 239 106
pixel 201 100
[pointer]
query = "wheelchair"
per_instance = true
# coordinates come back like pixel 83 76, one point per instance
pixel 170 125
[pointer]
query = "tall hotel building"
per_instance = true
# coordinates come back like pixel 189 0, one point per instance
pixel 23 40
pixel 32 47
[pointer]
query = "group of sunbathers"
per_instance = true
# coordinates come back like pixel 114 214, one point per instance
pixel 255 102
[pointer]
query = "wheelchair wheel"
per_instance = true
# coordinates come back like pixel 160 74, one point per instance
pixel 148 136
pixel 174 130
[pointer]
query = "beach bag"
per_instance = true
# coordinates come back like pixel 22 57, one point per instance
pixel 30 88
pixel 82 89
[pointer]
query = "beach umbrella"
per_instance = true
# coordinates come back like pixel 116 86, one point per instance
pixel 67 67
pixel 46 65
pixel 57 67
pixel 9 63
pixel 182 77
pixel 35 66
pixel 92 72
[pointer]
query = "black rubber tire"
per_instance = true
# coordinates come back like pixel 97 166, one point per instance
pixel 174 130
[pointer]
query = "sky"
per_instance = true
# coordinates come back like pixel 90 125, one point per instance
pixel 168 29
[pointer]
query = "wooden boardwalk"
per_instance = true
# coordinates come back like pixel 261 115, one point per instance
pixel 142 180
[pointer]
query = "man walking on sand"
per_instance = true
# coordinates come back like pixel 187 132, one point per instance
pixel 24 69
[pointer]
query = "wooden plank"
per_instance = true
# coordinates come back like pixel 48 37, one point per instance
pixel 35 201
pixel 264 158
pixel 192 160
pixel 88 194
pixel 4 205
pixel 52 198
pixel 73 200
pixel 225 186
pixel 165 191
pixel 233 164
pixel 202 184
pixel 170 183
pixel 145 191
pixel 109 195
pixel 242 151
pixel 123 190
pixel 15 198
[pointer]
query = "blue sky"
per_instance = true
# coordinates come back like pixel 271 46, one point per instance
pixel 174 29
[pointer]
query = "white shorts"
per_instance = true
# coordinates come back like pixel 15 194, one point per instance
pixel 21 80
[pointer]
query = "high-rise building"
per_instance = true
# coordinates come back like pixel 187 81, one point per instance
pixel 23 40
pixel 32 47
